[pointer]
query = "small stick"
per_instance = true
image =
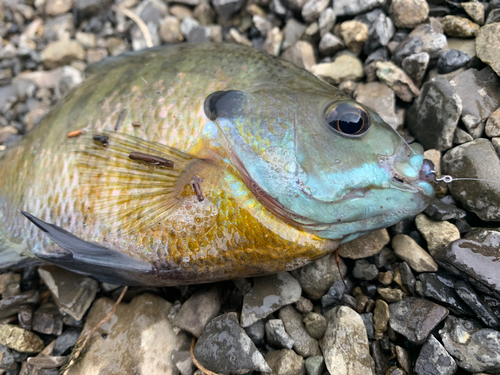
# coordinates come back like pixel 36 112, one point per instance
pixel 120 117
pixel 195 361
pixel 140 23
pixel 75 133
pixel 91 333
pixel 151 159
pixel 195 183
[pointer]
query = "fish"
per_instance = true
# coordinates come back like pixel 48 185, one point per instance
pixel 198 163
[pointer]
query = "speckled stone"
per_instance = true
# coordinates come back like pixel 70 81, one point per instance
pixel 344 67
pixel 408 13
pixel 365 246
pixel 475 10
pixel 459 27
pixel 354 34
pixel 276 335
pixel 391 294
pixel 438 234
pixel 434 359
pixel 20 339
pixel 304 344
pixel 396 79
pixel 285 362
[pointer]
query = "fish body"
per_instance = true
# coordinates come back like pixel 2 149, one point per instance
pixel 199 163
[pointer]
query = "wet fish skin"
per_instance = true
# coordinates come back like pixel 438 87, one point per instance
pixel 280 188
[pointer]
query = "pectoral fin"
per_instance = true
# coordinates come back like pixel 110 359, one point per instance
pixel 130 181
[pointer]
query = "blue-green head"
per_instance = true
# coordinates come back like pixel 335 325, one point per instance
pixel 319 160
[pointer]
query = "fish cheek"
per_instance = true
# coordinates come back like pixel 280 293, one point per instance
pixel 224 104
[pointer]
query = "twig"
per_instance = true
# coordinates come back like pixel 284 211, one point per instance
pixel 195 361
pixel 140 23
pixel 91 333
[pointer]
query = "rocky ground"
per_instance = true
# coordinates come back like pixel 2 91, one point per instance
pixel 422 297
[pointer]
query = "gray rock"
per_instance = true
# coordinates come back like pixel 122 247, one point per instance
pixel 475 10
pixel 313 8
pixel 380 358
pixel 469 296
pixel 47 362
pixel 315 324
pixel 479 92
pixel 408 13
pixel 330 44
pixel 407 278
pixel 315 365
pixel 404 359
pixel 276 335
pixel 476 159
pixel 365 246
pixel 422 39
pixel 301 53
pixel 440 288
pixel 73 293
pixel 198 310
pixel 48 320
pixel 345 343
pixel 415 318
pixel 91 7
pixel 272 44
pixel 493 16
pixel 452 60
pixel 303 305
pixel 10 306
pixel 434 115
pixel 334 295
pixel 365 270
pixel 256 332
pixel 193 31
pixel 285 362
pixel 434 359
pixel 227 8
pixel 66 341
pixel 459 27
pixel 317 277
pixel 369 324
pixel 439 210
pixel 269 293
pixel 70 78
pixel 416 257
pixel 59 28
pixel 474 349
pixel 353 7
pixel 471 258
pixel 292 32
pixel 224 336
pixel 326 21
pixel 134 335
pixel 415 66
pixel 438 234
pixel 380 98
pixel 304 344
pixel 7 360
pixel 380 33
pixel 397 79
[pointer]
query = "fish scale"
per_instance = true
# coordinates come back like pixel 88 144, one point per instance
pixel 232 118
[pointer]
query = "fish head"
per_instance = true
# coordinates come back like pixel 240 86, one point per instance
pixel 319 160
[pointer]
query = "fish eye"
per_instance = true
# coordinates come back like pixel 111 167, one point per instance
pixel 348 120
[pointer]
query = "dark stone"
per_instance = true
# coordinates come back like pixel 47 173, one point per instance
pixel 473 258
pixel 469 296
pixel 440 287
pixel 434 359
pixel 364 270
pixel 452 60
pixel 334 295
pixel 7 360
pixel 224 338
pixel 382 362
pixel 474 349
pixel 256 332
pixel 369 324
pixel 227 8
pixel 380 33
pixel 91 7
pixel 479 91
pixel 68 338
pixel 10 305
pixel 48 320
pixel 415 318
pixel 422 39
pixel 439 210
pixel 25 317
pixel 407 278
pixel 434 115
pixel 478 159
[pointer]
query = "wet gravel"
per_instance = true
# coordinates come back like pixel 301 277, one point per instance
pixel 422 297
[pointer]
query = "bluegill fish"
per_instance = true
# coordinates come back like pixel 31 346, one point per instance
pixel 197 163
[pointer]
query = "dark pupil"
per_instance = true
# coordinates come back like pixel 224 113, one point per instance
pixel 350 123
